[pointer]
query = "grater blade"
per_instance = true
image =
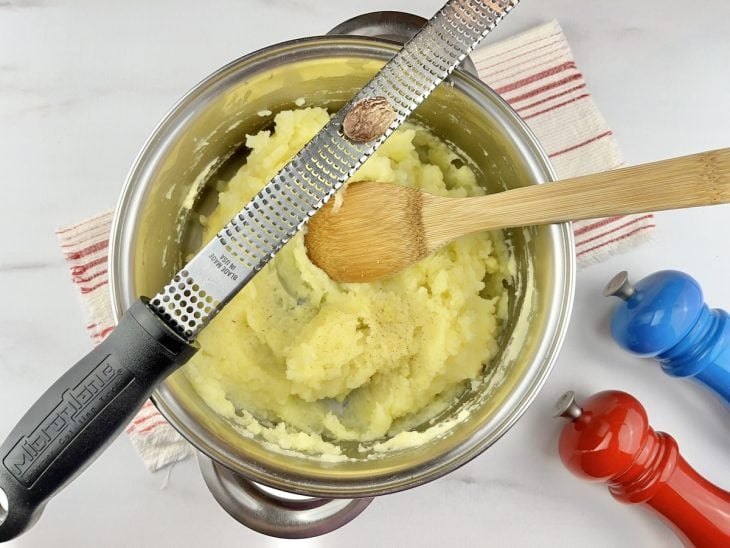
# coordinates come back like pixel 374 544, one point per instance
pixel 252 238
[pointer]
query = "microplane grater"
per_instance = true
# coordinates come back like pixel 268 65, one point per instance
pixel 252 238
pixel 77 417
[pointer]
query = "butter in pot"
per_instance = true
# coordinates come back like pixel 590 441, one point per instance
pixel 305 363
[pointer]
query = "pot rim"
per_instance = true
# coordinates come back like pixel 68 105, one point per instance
pixel 562 234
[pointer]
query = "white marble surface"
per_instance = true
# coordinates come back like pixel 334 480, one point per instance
pixel 82 83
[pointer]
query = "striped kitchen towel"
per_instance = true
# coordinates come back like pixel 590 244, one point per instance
pixel 535 72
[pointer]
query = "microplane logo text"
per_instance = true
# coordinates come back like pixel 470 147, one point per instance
pixel 25 460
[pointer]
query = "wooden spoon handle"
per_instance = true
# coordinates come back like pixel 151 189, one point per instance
pixel 696 180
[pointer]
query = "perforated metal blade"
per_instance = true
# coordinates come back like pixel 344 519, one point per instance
pixel 252 238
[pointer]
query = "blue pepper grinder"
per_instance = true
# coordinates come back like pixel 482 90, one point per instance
pixel 664 316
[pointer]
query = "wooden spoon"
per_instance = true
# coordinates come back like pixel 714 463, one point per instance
pixel 380 229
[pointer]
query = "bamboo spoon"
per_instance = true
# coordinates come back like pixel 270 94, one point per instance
pixel 380 229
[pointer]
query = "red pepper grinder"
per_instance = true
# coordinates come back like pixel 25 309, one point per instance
pixel 609 440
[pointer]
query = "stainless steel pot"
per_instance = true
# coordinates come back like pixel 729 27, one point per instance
pixel 200 140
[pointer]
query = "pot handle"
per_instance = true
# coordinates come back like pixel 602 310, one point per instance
pixel 395 26
pixel 273 512
pixel 81 414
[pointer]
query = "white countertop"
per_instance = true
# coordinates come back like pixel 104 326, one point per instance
pixel 82 85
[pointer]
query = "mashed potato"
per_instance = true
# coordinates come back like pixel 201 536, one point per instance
pixel 303 361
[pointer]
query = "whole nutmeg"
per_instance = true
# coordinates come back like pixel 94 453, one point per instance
pixel 368 119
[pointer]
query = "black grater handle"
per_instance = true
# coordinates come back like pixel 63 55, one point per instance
pixel 80 415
